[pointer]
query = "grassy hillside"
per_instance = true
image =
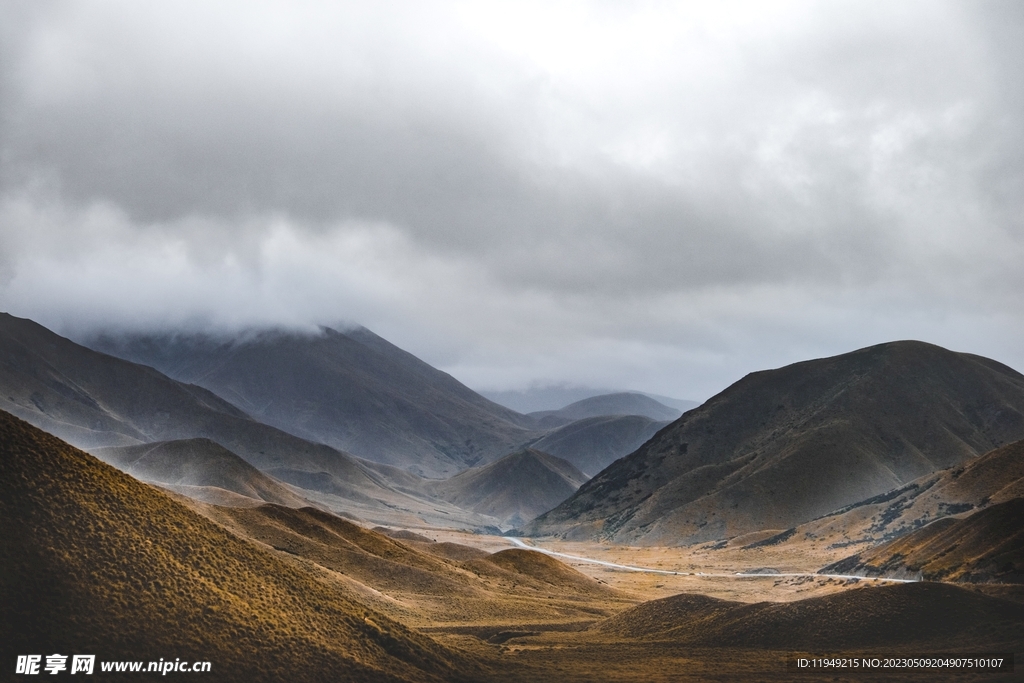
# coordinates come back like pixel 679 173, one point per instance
pixel 97 562
pixel 199 468
pixel 986 546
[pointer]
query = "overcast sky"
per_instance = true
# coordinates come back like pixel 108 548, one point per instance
pixel 652 196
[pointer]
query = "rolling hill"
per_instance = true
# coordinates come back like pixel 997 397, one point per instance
pixel 351 390
pixel 782 447
pixel 95 561
pixel 915 614
pixel 201 469
pixel 514 489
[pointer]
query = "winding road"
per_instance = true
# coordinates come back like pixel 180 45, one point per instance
pixel 518 542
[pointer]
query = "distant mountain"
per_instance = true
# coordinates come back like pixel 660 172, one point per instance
pixel 351 390
pixel 622 403
pixel 201 469
pixel 514 489
pixel 542 398
pixel 782 447
pixel 594 443
pixel 554 398
pixel 985 546
pixel 96 562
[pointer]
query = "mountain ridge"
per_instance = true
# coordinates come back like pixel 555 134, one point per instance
pixel 352 390
pixel 781 447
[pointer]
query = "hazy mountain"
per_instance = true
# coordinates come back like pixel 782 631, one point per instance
pixel 351 390
pixel 984 546
pixel 514 489
pixel 784 446
pixel 97 562
pixel 94 400
pixel 594 443
pixel 553 398
pixel 995 477
pixel 199 468
pixel 622 403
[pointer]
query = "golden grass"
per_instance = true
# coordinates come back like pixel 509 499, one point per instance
pixel 96 562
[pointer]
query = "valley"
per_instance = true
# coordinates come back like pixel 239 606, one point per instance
pixel 866 503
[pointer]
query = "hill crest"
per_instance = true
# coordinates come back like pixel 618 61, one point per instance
pixel 781 447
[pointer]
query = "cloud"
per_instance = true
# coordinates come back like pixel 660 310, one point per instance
pixel 659 195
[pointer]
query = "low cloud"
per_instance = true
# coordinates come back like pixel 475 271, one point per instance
pixel 659 197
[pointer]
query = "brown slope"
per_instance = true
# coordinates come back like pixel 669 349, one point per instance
pixel 351 390
pixel 423 583
pixel 928 615
pixel 96 562
pixel 514 489
pixel 986 546
pixel 995 477
pixel 784 446
pixel 192 466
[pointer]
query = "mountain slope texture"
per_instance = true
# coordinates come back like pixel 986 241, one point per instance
pixel 97 562
pixel 782 447
pixel 351 390
pixel 93 400
pixel 996 477
pixel 986 546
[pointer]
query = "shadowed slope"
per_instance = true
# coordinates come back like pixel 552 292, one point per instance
pixel 593 443
pixel 514 489
pixel 95 561
pixel 922 614
pixel 782 447
pixel 351 390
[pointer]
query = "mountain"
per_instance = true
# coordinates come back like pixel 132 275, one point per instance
pixel 593 443
pixel 201 469
pixel 514 489
pixel 996 477
pixel 782 447
pixel 985 546
pixel 94 400
pixel 553 398
pixel 622 403
pixel 351 390
pixel 97 562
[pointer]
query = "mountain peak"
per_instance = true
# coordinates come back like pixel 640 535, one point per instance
pixel 783 446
